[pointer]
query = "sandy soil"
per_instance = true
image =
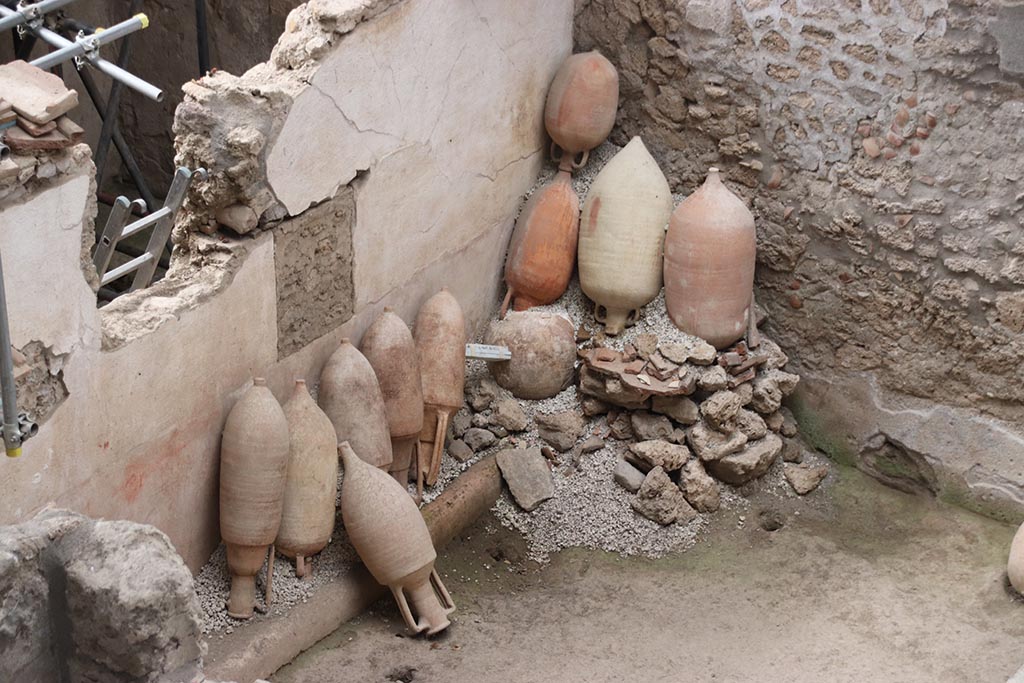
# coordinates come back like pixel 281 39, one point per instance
pixel 863 584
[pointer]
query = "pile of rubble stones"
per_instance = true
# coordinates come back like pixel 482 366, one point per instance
pixel 689 416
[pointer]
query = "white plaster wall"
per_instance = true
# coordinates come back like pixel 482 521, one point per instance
pixel 138 436
pixel 441 103
pixel 48 299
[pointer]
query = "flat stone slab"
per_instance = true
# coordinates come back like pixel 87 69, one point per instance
pixel 526 472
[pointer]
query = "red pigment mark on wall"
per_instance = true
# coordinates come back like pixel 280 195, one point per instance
pixel 159 457
pixel 134 478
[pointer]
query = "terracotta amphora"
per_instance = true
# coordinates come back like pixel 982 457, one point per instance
pixel 350 396
pixel 542 251
pixel 622 231
pixel 389 347
pixel 440 336
pixel 253 465
pixel 582 101
pixel 543 347
pixel 307 518
pixel 1015 563
pixel 709 264
pixel 388 531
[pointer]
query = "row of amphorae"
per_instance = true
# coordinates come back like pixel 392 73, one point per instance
pixel 384 407
pixel 706 258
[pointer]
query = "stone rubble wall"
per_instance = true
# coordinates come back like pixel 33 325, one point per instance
pixel 383 153
pixel 879 143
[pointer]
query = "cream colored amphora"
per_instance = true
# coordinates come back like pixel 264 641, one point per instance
pixel 351 398
pixel 388 531
pixel 253 465
pixel 307 519
pixel 622 232
pixel 440 336
pixel 391 352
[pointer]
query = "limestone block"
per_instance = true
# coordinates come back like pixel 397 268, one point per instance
pixel 561 429
pixel 478 438
pixel 748 464
pixel 751 424
pixel 507 413
pixel 709 444
pixel 628 477
pixel 804 478
pixel 661 501
pixel 650 426
pixel 720 410
pixel 132 605
pixel 667 456
pixel 699 488
pixel 27 635
pixel 680 408
pixel 459 450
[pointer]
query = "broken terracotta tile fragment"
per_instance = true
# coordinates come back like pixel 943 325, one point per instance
pixel 35 94
pixel 35 129
pixel 21 142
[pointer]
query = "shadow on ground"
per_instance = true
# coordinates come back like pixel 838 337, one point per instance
pixel 861 583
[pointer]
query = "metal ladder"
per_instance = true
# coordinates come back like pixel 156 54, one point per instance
pixel 161 220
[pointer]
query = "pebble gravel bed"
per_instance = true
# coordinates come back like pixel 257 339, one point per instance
pixel 213 583
pixel 590 510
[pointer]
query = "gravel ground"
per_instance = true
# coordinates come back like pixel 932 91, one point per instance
pixel 213 582
pixel 590 510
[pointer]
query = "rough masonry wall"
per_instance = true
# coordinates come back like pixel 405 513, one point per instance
pixel 879 143
pixel 42 210
pixel 88 600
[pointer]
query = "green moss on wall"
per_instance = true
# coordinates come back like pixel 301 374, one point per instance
pixel 814 429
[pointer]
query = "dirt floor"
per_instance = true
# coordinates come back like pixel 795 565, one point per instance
pixel 862 583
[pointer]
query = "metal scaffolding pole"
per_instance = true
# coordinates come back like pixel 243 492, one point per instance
pixel 110 69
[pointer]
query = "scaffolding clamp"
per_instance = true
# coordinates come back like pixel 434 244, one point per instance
pixel 24 429
pixel 29 16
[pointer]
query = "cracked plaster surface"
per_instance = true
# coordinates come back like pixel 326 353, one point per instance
pixel 432 111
